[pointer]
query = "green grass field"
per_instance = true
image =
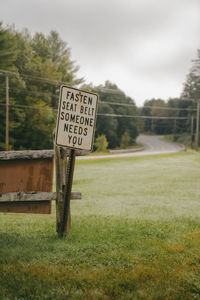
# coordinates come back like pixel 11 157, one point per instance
pixel 135 235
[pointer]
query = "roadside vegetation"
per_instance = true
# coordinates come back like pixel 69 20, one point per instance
pixel 184 139
pixel 37 65
pixel 135 235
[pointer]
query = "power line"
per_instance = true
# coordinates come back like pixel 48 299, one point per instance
pixel 170 108
pixel 106 90
pixel 116 103
pixel 53 81
pixel 28 106
pixel 100 102
pixel 4 72
pixel 142 117
pixel 100 114
pixel 57 82
pixel 24 92
pixel 152 107
pixel 187 99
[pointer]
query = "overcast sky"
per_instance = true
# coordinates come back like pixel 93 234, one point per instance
pixel 144 46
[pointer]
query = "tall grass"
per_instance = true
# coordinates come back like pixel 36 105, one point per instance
pixel 135 235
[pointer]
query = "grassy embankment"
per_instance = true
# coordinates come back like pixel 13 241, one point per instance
pixel 184 139
pixel 135 235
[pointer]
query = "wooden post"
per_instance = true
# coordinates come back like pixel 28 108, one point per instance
pixel 65 161
pixel 59 186
pixel 61 166
pixel 152 125
pixel 76 141
pixel 66 226
pixel 197 125
pixel 7 112
pixel 192 130
pixel 174 126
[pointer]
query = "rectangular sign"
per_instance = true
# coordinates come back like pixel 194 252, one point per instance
pixel 76 118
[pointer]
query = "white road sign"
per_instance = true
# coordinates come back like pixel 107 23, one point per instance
pixel 76 118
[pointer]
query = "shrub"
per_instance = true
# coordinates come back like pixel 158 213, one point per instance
pixel 101 143
pixel 125 140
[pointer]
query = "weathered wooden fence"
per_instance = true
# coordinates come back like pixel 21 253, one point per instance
pixel 26 183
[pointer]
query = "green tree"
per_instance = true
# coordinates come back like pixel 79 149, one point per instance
pixel 8 50
pixel 8 55
pixel 107 125
pixel 41 46
pixel 160 110
pixel 160 114
pixel 101 143
pixel 191 88
pixel 112 126
pixel 190 94
pixel 60 54
pixel 32 119
pixel 125 140
pixel 173 105
pixel 146 111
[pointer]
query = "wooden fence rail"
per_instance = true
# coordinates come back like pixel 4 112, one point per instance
pixel 26 182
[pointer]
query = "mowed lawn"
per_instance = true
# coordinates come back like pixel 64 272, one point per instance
pixel 135 235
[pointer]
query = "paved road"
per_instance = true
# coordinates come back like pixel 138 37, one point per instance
pixel 153 144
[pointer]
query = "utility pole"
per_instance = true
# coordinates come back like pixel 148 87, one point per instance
pixel 152 126
pixel 197 125
pixel 174 126
pixel 192 130
pixel 7 112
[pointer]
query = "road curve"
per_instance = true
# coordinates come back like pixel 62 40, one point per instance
pixel 156 143
pixel 153 144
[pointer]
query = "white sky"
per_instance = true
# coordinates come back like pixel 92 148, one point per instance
pixel 144 46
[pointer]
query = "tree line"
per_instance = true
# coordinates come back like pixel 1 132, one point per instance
pixel 37 65
pixel 178 116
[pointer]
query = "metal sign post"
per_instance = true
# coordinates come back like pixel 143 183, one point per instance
pixel 75 130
